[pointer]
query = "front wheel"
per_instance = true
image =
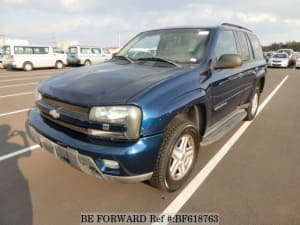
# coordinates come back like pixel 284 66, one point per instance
pixel 87 62
pixel 253 107
pixel 177 155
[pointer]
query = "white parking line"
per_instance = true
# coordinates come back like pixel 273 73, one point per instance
pixel 14 112
pixel 27 78
pixel 190 189
pixel 16 85
pixel 32 73
pixel 18 152
pixel 24 93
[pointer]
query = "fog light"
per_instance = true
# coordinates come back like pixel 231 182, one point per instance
pixel 111 164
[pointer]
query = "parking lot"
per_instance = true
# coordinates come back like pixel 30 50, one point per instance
pixel 251 176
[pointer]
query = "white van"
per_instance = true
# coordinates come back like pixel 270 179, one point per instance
pixel 28 57
pixel 84 55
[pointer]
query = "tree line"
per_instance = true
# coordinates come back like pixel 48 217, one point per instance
pixel 275 46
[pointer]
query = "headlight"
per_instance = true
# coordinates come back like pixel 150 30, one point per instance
pixel 38 95
pixel 129 116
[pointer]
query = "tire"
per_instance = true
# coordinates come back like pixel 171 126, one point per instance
pixel 59 65
pixel 254 103
pixel 87 63
pixel 170 172
pixel 27 66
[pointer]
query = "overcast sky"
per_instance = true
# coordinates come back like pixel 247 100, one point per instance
pixel 102 21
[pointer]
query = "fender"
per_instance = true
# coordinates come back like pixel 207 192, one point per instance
pixel 155 122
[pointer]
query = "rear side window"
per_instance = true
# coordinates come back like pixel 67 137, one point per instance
pixel 226 44
pixel 244 46
pixel 31 50
pixel 19 50
pixel 58 50
pixel 258 53
pixel 96 51
pixel 40 50
pixel 85 51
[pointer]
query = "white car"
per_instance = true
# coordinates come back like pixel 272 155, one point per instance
pixel 279 60
pixel 297 62
pixel 28 57
pixel 84 55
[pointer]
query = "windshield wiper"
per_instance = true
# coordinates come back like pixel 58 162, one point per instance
pixel 160 60
pixel 124 57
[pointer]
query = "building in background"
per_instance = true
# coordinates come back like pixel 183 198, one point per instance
pixel 64 45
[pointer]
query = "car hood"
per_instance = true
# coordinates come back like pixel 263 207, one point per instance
pixel 104 84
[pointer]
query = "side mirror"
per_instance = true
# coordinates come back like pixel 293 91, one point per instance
pixel 229 61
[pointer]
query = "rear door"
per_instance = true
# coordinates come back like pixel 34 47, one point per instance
pixel 249 67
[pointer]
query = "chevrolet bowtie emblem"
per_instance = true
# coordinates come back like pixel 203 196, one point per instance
pixel 54 114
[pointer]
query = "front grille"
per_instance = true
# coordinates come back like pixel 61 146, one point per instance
pixel 67 125
pixel 67 109
pixel 76 110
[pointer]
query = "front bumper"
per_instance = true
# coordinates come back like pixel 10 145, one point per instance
pixel 278 64
pixel 136 159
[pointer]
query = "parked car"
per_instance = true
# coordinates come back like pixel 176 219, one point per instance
pixel 288 51
pixel 268 55
pixel 297 60
pixel 35 56
pixel 279 60
pixel 143 118
pixel 84 55
pixel 294 57
pixel 1 59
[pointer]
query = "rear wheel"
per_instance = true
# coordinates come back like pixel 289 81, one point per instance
pixel 177 155
pixel 27 66
pixel 253 107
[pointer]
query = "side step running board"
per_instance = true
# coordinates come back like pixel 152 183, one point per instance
pixel 221 128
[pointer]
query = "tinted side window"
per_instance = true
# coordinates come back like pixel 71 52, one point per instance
pixel 19 50
pixel 258 53
pixel 226 44
pixel 85 51
pixel 28 50
pixel 58 50
pixel 244 47
pixel 96 50
pixel 40 50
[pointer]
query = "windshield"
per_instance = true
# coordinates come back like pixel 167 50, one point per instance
pixel 283 56
pixel 6 50
pixel 179 45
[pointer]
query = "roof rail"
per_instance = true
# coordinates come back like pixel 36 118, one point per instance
pixel 233 25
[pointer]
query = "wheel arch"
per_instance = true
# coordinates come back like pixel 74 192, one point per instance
pixel 196 114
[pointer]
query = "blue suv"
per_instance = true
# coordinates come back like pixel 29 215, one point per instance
pixel 144 114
